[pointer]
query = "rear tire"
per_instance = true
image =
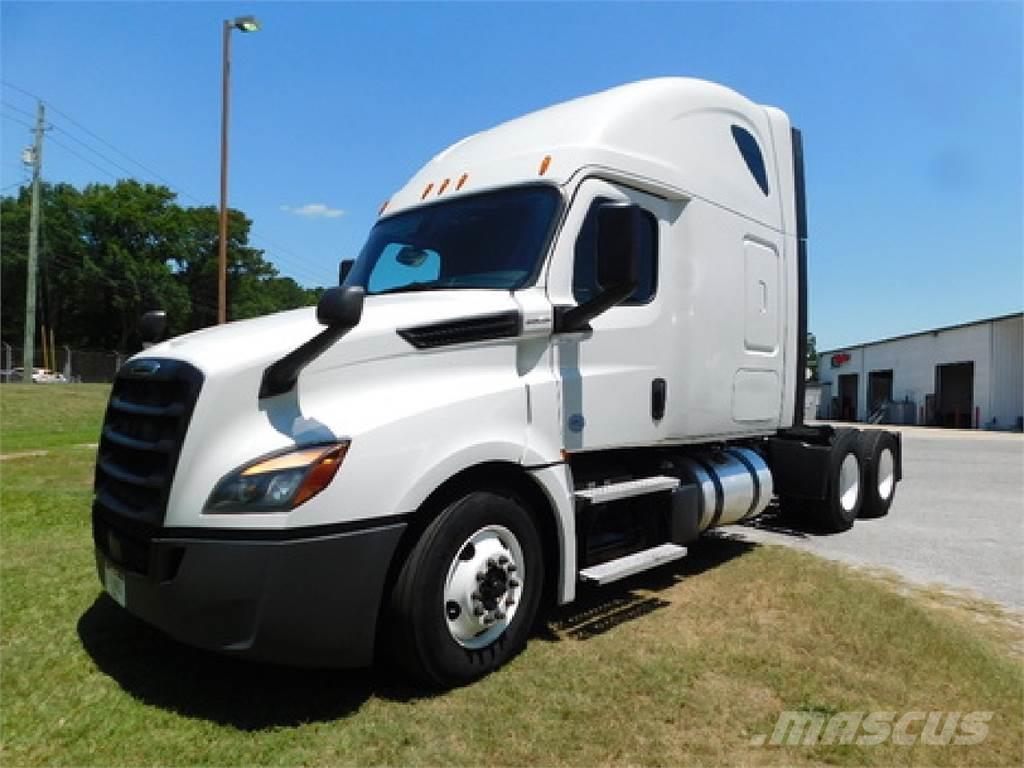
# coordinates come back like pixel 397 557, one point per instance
pixel 467 595
pixel 877 449
pixel 845 483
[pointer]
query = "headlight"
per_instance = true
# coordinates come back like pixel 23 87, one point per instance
pixel 278 483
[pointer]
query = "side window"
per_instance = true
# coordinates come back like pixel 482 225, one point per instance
pixel 584 272
pixel 747 145
pixel 400 265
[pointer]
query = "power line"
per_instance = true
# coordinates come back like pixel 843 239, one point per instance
pixel 308 271
pixel 16 108
pixel 94 151
pixel 83 158
pixel 19 121
pixel 310 268
pixel 305 273
pixel 107 144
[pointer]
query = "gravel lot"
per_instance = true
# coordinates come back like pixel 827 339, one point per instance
pixel 957 520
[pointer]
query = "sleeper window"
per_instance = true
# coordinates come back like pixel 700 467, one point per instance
pixel 747 145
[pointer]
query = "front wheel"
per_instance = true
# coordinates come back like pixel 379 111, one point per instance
pixel 466 596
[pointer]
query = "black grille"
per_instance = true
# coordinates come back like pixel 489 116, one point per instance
pixel 147 417
pixel 497 326
pixel 129 550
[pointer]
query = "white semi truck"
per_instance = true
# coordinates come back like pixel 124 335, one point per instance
pixel 571 344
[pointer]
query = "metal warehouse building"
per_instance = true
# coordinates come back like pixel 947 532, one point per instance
pixel 967 376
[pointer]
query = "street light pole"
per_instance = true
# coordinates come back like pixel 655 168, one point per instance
pixel 222 236
pixel 243 24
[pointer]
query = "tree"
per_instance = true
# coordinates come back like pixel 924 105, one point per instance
pixel 109 253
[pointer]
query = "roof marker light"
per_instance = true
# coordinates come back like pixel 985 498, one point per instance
pixel 426 191
pixel 544 165
pixel 462 180
pixel 383 207
pixel 444 186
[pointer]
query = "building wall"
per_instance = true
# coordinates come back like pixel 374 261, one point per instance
pixel 1007 372
pixel 812 401
pixel 995 348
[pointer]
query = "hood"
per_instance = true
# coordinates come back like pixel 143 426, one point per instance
pixel 254 343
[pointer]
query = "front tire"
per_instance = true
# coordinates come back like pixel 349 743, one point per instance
pixel 467 595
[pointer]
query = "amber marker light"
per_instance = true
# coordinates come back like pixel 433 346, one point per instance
pixel 383 207
pixel 320 475
pixel 444 186
pixel 462 180
pixel 544 165
pixel 426 191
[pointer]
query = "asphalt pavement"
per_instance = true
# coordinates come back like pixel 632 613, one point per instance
pixel 957 520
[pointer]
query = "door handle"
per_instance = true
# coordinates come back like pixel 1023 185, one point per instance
pixel 659 394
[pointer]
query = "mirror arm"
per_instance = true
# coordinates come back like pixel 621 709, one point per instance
pixel 281 376
pixel 576 318
pixel 339 309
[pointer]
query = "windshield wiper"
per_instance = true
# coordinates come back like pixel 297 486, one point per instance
pixel 408 287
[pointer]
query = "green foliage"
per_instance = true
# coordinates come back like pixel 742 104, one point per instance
pixel 110 253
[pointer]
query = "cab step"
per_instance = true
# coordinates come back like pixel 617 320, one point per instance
pixel 613 570
pixel 602 494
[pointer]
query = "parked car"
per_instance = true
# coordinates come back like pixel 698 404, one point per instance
pixel 39 376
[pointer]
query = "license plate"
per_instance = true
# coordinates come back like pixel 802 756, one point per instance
pixel 113 580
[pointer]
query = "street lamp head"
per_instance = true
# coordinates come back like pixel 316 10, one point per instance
pixel 246 24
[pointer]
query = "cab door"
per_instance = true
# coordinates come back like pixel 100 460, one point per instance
pixel 613 376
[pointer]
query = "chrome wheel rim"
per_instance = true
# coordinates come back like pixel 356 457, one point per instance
pixel 849 482
pixel 484 586
pixel 886 474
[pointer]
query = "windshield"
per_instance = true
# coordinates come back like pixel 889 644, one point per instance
pixel 489 240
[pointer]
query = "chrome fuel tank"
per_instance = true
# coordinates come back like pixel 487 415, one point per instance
pixel 735 484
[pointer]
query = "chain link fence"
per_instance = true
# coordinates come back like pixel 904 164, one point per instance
pixel 70 365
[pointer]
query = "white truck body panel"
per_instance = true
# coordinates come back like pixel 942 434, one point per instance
pixel 716 339
pixel 720 329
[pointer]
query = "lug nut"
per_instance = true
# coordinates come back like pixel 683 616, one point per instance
pixel 476 596
pixel 510 602
pixel 512 568
pixel 502 560
pixel 491 562
pixel 513 583
pixel 478 610
pixel 480 576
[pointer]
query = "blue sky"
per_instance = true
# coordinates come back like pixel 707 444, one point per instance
pixel 912 119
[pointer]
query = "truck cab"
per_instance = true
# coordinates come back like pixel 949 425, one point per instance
pixel 570 345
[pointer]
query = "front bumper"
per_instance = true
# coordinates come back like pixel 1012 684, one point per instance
pixel 307 600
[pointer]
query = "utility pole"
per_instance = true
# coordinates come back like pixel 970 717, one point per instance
pixel 33 253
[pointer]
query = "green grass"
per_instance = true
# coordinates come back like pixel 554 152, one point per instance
pixel 682 666
pixel 41 416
